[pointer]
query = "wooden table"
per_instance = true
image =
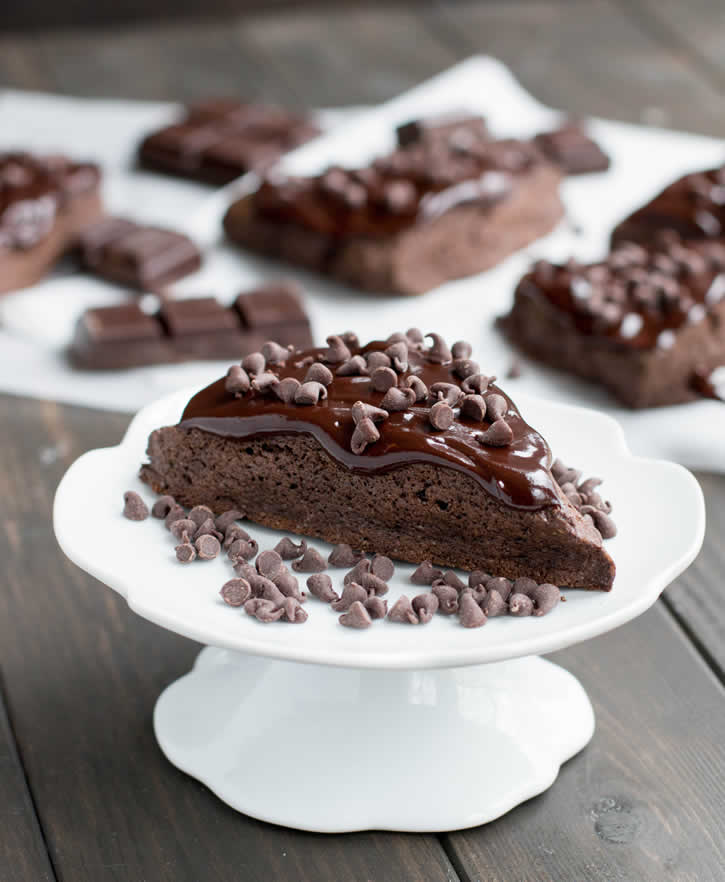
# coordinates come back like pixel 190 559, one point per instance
pixel 85 793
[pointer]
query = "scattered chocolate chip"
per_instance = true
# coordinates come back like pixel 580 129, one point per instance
pixel 293 611
pixel 356 616
pixel 441 415
pixel 450 578
pixel 520 605
pixel 342 555
pixel 498 434
pixel 351 339
pixel 274 353
pixel 357 572
pixel 265 588
pixel 265 382
pixel 236 592
pixel 318 373
pixel 418 387
pixel 320 586
pixel 234 532
pixel 310 562
pixel 396 400
pixel 448 392
pixel 376 359
pixel 244 570
pixel 175 514
pixel 477 383
pixel 479 593
pixel 310 393
pixel 207 547
pixel 162 506
pixel 287 584
pixel 376 606
pixel 415 338
pixel 227 518
pixel 473 407
pixel 337 350
pixel 361 411
pixel 503 586
pixel 268 562
pixel 496 406
pixel 563 474
pixel 181 527
pixel 439 353
pixel 286 390
pixel 254 363
pixel 350 593
pixel 288 550
pixel 364 434
pixel 398 355
pixel 382 567
pixel 602 521
pixel 185 553
pixel 263 610
pixel 447 597
pixel 524 585
pixel 464 367
pixel 353 367
pixel 134 508
pixel 402 611
pixel 425 607
pixel 200 513
pixel 383 378
pixel 494 605
pixel 373 584
pixel 477 577
pixel 470 613
pixel 237 381
pixel 208 528
pixel 461 349
pixel 242 549
pixel 545 598
pixel 425 574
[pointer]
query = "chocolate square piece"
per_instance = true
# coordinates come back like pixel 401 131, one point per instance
pixel 118 336
pixel 573 150
pixel 455 126
pixel 197 315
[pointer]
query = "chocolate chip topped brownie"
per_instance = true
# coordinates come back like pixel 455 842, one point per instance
pixel 402 446
pixel 646 323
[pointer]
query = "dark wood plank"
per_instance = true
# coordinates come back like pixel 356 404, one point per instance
pixel 642 802
pixel 23 855
pixel 82 675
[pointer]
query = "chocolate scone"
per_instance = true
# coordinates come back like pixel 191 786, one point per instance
pixel 393 447
pixel 647 324
pixel 438 208
pixel 44 203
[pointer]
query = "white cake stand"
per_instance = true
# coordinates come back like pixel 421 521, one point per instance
pixel 425 728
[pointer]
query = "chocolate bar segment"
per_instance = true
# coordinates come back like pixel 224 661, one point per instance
pixel 44 202
pixel 571 148
pixel 137 256
pixel 221 139
pixel 117 337
pixel 457 128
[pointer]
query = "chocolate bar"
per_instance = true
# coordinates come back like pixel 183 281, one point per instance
pixel 117 337
pixel 571 148
pixel 44 202
pixel 221 139
pixel 458 128
pixel 137 256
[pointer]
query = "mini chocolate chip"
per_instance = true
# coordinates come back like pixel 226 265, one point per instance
pixel 398 355
pixel 185 552
pixel 447 597
pixel 287 389
pixel 396 400
pixel 402 611
pixel 287 584
pixel 464 367
pixel 351 339
pixel 477 383
pixel 441 415
pixel 425 607
pixel 236 592
pixel 288 550
pixel 361 411
pixel 524 585
pixel 265 382
pixel 254 363
pixel 200 513
pixel 425 574
pixel 415 338
pixel 207 529
pixel 602 521
pixel 310 393
pixel 356 573
pixel 395 337
pixel 181 527
pixel 480 593
pixel 418 386
pixel 227 518
pixel 470 613
pixel 383 378
pixel 268 562
pixel 350 593
pixel 234 532
pixel 439 353
pixel 320 586
pixel 244 570
pixel 244 549
pixel 586 487
pixel 176 513
pixel 496 406
pixel 474 407
pixel 293 611
pixel 310 562
pixel 237 381
pixel 520 605
pixel 263 610
pixel 356 616
pixel 382 567
pixel 477 577
pixel 353 367
pixel 494 605
pixel 498 434
pixel 134 508
pixel 274 353
pixel 337 350
pixel 342 555
pixel 448 392
pixel 374 584
pixel 572 494
pixel 318 373
pixel 376 359
pixel 450 578
pixel 264 587
pixel 365 433
pixel 376 606
pixel 207 547
pixel 162 506
pixel 461 349
pixel 503 586
pixel 545 598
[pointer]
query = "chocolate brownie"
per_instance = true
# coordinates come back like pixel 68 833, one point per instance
pixel 436 209
pixel 218 140
pixel 44 202
pixel 645 323
pixel 693 206
pixel 395 447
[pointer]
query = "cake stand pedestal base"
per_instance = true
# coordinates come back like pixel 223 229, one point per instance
pixel 339 749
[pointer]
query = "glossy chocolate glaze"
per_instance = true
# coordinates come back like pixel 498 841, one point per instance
pixel 518 475
pixel 637 298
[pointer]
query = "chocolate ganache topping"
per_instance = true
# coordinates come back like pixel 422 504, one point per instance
pixel 377 407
